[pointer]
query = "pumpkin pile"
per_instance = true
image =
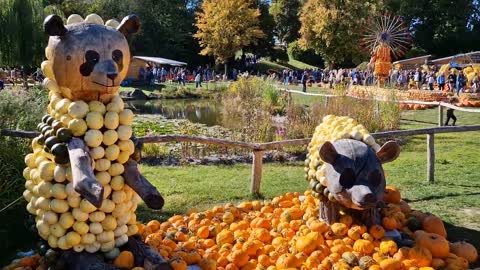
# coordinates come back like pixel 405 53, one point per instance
pixel 63 217
pixel 285 233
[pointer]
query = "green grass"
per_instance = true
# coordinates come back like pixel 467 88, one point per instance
pixel 455 196
pixel 158 88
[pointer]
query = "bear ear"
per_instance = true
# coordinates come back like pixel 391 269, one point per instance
pixel 53 26
pixel 129 25
pixel 328 153
pixel 389 152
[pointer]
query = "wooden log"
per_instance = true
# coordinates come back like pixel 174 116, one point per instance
pixel 142 187
pixel 257 165
pixel 144 255
pixel 84 180
pixel 440 116
pixel 449 129
pixel 431 158
pixel 20 133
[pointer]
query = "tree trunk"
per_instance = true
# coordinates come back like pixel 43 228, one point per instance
pixel 226 70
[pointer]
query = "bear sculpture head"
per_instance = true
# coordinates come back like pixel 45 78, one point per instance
pixel 88 60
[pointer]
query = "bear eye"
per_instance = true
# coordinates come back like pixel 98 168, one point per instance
pixel 92 56
pixel 117 56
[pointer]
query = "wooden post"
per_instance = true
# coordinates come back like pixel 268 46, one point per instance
pixel 440 115
pixel 326 102
pixel 257 164
pixel 430 158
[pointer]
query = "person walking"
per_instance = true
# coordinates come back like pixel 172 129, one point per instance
pixel 461 82
pixel 417 78
pixel 431 81
pixel 452 81
pixel 304 80
pixel 441 82
pixel 198 80
pixel 450 114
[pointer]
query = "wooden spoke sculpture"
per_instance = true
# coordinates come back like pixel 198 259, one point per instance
pixel 82 180
pixel 386 37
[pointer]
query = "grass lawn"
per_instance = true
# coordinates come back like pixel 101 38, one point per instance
pixel 159 87
pixel 455 196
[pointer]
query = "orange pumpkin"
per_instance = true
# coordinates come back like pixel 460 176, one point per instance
pixel 391 264
pixel 203 232
pixel 438 263
pixel 363 246
pixel 238 257
pixel 124 259
pixel 420 254
pixel 287 261
pixel 455 262
pixel 433 224
pixel 464 250
pixel 388 247
pixel 207 264
pixel 225 237
pixel 339 229
pixel 377 231
pixel 178 264
pixel 392 195
pixel 436 244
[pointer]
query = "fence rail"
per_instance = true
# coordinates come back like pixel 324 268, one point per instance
pixel 258 149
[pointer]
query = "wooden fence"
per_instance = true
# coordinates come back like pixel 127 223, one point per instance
pixel 258 149
pixel 441 105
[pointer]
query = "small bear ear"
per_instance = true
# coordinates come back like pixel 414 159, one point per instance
pixel 328 153
pixel 389 152
pixel 53 26
pixel 129 25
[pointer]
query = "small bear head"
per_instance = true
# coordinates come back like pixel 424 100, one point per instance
pixel 88 60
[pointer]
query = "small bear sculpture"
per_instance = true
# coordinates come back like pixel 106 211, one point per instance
pixel 82 181
pixel 355 177
pixel 344 168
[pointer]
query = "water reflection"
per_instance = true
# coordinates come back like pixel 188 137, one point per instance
pixel 204 111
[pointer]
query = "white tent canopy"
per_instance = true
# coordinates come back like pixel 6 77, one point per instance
pixel 160 61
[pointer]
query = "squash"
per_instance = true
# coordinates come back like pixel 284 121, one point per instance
pixel 366 261
pixel 421 255
pixel 287 261
pixel 124 259
pixel 377 231
pixel 178 264
pixel 464 250
pixel 238 257
pixel 392 195
pixel 363 246
pixel 339 229
pixel 388 247
pixel 433 224
pixel 436 244
pixel 391 264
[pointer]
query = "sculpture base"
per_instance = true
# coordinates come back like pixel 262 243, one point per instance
pixel 144 257
pixel 330 212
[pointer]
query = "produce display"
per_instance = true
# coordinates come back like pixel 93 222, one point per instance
pixel 82 182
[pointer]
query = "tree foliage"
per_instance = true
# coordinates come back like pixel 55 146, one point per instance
pixel 21 35
pixel 441 27
pixel 227 26
pixel 265 45
pixel 287 23
pixel 331 28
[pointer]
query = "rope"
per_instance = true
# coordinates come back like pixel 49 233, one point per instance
pixel 10 204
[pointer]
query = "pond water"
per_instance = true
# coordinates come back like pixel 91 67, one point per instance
pixel 203 111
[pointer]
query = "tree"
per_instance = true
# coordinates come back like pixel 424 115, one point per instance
pixel 440 27
pixel 227 26
pixel 265 45
pixel 287 23
pixel 22 39
pixel 333 28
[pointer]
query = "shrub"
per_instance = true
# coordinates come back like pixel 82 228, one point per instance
pixel 306 56
pixel 18 110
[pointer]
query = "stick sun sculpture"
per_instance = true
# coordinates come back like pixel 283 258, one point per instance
pixel 386 36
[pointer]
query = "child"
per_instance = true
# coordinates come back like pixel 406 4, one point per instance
pixel 450 114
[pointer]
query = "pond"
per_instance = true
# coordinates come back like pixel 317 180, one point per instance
pixel 203 111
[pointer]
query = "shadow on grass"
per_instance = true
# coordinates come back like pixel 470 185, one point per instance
pixel 436 197
pixel 418 121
